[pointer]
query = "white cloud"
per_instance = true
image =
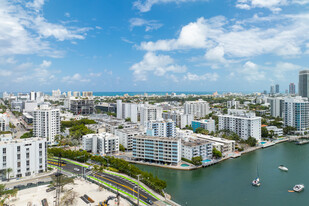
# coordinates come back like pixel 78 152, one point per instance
pixel 159 65
pixel 95 74
pixel 149 24
pixel 251 72
pixel 5 73
pixel 216 54
pixel 273 5
pixel 24 30
pixel 45 64
pixel 219 37
pixel 207 76
pixel 67 14
pixel 126 40
pixel 76 78
pixel 145 5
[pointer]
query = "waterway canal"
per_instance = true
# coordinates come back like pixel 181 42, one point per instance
pixel 229 182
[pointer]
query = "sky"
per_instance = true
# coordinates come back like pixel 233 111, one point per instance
pixel 152 45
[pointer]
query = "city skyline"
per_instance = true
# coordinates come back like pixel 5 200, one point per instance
pixel 143 45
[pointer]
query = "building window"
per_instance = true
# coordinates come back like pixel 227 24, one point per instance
pixel 18 156
pixel 18 148
pixel 4 150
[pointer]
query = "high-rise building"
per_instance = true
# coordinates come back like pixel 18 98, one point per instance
pixel 56 93
pixel 296 113
pixel 303 84
pixel 198 108
pixel 245 124
pixel 46 122
pixel 164 128
pixel 126 110
pixel 182 120
pixel 150 112
pixel 24 156
pixel 4 122
pixel 87 93
pixel 196 148
pixel 76 94
pixel 81 106
pixel 277 89
pixel 276 106
pixel 272 89
pixel 292 88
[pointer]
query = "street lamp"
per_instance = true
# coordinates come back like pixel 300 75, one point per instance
pixel 133 191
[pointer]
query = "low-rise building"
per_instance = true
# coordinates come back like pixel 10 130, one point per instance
pixel 24 157
pixel 226 146
pixel 276 131
pixel 102 144
pixel 196 148
pixel 157 150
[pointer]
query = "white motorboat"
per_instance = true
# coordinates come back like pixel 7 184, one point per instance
pixel 283 168
pixel 299 188
pixel 256 182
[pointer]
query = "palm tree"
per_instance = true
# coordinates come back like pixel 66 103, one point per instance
pixel 8 171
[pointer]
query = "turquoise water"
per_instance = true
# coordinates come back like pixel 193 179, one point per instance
pixel 184 165
pixel 262 142
pixel 205 161
pixel 229 183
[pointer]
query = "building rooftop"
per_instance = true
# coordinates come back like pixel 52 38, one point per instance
pixel 157 138
pixel 194 142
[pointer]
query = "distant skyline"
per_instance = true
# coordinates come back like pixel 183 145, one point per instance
pixel 152 45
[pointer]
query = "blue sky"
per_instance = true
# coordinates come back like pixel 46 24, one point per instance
pixel 152 45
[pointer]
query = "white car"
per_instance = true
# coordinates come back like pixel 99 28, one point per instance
pixel 76 169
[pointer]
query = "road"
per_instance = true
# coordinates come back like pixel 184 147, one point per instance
pixel 19 128
pixel 116 181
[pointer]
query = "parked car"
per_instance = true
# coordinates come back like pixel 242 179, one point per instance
pixel 50 189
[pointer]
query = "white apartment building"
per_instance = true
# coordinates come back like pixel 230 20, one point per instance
pixel 245 124
pixel 276 106
pixel 126 136
pixel 30 106
pixel 56 93
pixel 126 110
pixel 24 156
pixel 223 145
pixel 276 131
pixel 183 134
pixel 163 128
pixel 150 112
pixel 46 122
pixel 196 148
pixel 207 124
pixel 102 144
pixel 157 149
pixel 182 120
pixel 198 109
pixel 4 122
pixel 296 112
pixel 233 104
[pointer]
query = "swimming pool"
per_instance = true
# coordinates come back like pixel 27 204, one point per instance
pixel 184 165
pixel 262 142
pixel 205 161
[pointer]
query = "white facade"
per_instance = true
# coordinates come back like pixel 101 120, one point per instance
pixel 46 123
pixel 164 128
pixel 182 120
pixel 150 112
pixel 126 136
pixel 102 144
pixel 126 110
pixel 4 122
pixel 30 106
pixel 243 123
pixel 276 106
pixel 198 108
pixel 276 131
pixel 233 104
pixel 296 113
pixel 196 148
pixel 24 157
pixel 56 93
pixel 157 149
pixel 225 145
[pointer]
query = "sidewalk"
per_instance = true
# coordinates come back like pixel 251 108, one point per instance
pixel 28 179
